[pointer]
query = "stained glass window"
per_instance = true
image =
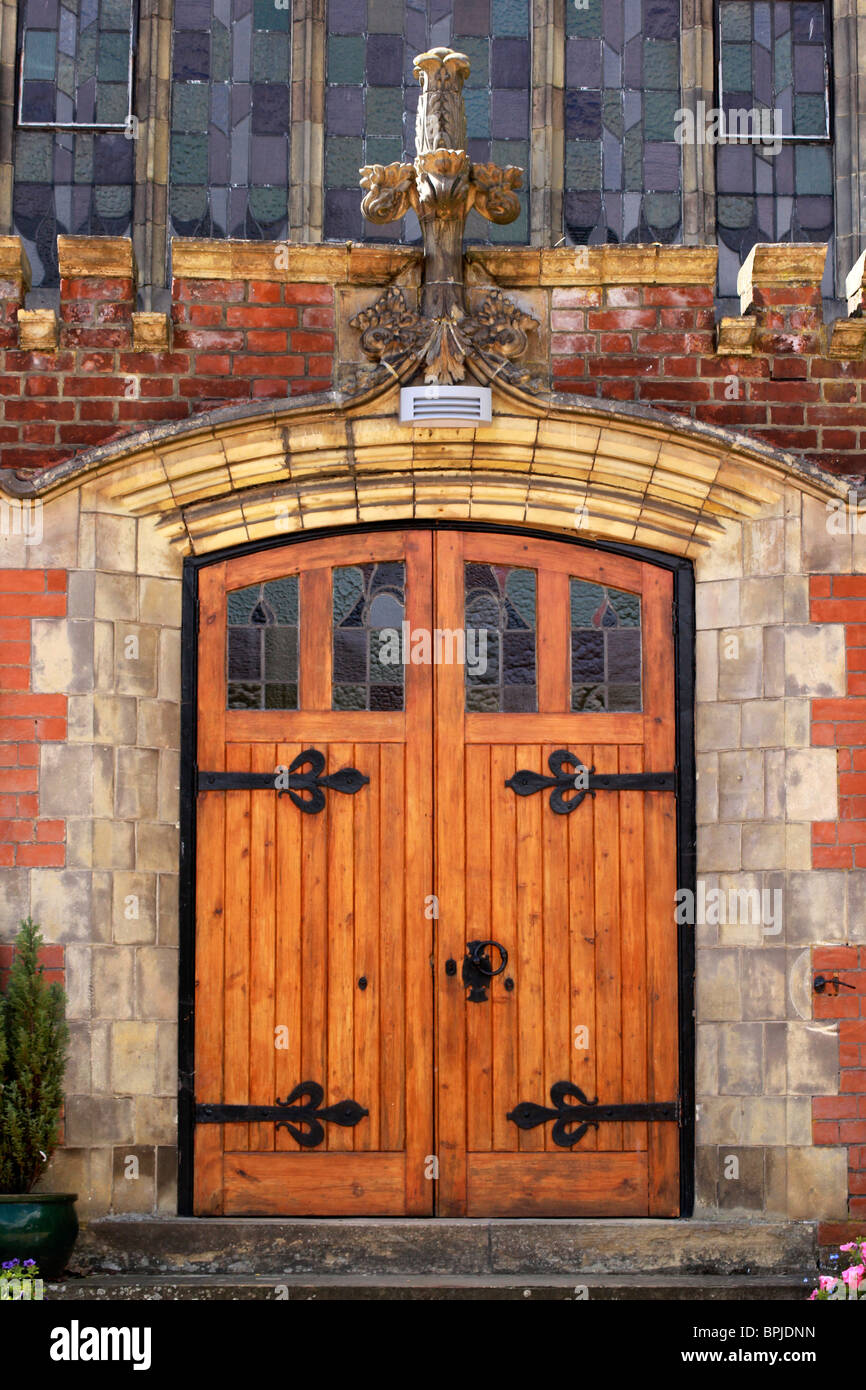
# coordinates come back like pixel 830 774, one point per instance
pixel 774 80
pixel 74 146
pixel 500 638
pixel 605 648
pixel 230 119
pixel 263 645
pixel 368 614
pixel 623 180
pixel 372 98
pixel 369 105
pixel 495 36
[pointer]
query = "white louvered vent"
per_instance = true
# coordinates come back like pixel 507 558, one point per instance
pixel 445 405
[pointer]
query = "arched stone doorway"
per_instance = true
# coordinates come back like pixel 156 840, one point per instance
pixel 584 473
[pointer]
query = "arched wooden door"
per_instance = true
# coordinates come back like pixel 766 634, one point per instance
pixel 436 965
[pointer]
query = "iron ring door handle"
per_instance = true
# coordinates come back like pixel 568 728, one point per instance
pixel 482 962
pixel 478 969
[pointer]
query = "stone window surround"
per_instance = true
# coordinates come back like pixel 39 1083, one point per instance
pixel 152 105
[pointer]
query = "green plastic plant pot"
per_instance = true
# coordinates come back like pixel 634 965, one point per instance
pixel 41 1227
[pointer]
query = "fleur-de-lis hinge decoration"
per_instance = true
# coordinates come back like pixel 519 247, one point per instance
pixel 572 780
pixel 302 781
pixel 440 187
pixel 574 1117
pixel 301 1113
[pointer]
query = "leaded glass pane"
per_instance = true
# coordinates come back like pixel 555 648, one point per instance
pixel 262 645
pixel 775 82
pixel 75 62
pixel 623 178
pixel 230 119
pixel 75 181
pixel 605 648
pixel 372 97
pixel 369 606
pixel 500 625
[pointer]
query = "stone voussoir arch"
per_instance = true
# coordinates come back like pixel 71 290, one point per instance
pixel 630 475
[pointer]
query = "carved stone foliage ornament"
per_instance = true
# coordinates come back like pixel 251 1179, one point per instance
pixel 440 187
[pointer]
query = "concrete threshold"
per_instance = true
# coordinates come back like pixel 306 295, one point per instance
pixel 267 1247
pixel 430 1288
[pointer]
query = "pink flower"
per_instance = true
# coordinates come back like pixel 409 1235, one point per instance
pixel 826 1283
pixel 854 1276
pixel 813 1295
pixel 849 1246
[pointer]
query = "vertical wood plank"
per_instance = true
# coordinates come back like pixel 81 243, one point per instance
pixel 608 977
pixel 420 884
pixel 341 949
pixel 289 965
pixel 262 943
pixel 315 945
pixel 553 642
pixel 503 859
pixel 557 1040
pixel 450 885
pixel 237 990
pixel 530 947
pixel 366 1002
pixel 479 927
pixel 633 954
pixel 660 845
pixel 316 653
pixel 391 981
pixel 210 892
pixel 581 899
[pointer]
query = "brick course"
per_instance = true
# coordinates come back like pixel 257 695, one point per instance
pixel 26 720
pixel 247 338
pixel 841 1119
pixel 232 341
pixel 661 351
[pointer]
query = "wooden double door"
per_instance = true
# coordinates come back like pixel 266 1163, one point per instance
pixel 436 963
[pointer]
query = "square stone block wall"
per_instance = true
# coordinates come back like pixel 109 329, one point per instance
pixel 109 894
pixel 768 788
pixel 104 781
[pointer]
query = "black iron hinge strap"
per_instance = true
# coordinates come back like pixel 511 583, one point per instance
pixel 572 780
pixel 305 788
pixel 568 1114
pixel 308 1116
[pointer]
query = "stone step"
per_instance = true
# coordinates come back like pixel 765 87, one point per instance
pixel 430 1287
pixel 352 1247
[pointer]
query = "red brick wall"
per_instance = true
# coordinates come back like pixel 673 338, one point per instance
pixel 841 723
pixel 656 345
pixel 26 720
pixel 232 341
pixel 238 339
pixel 51 957
pixel 842 1119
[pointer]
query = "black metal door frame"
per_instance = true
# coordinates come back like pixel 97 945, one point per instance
pixel 684 700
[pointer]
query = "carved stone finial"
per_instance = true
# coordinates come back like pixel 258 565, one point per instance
pixel 440 187
pixel 441 120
